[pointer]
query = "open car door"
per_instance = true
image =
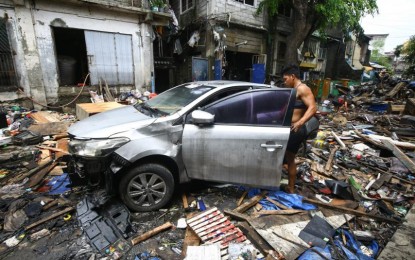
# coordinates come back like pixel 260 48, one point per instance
pixel 246 142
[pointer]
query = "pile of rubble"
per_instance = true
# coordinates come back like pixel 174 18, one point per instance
pixel 354 193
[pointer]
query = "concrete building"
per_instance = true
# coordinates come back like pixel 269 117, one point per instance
pixel 220 39
pixel 49 44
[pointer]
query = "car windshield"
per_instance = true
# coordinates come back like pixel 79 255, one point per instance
pixel 174 99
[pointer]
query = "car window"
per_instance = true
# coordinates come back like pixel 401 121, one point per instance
pixel 222 94
pixel 263 107
pixel 176 98
pixel 217 96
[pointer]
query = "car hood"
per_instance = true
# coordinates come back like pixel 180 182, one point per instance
pixel 108 123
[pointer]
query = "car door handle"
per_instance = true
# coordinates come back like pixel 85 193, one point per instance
pixel 276 146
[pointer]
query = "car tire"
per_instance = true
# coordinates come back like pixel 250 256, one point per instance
pixel 147 187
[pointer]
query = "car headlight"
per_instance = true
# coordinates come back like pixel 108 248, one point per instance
pixel 96 147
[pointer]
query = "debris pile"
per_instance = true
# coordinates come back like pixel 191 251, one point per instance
pixel 354 193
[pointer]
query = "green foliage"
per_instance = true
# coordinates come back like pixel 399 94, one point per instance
pixel 381 59
pixel 408 50
pixel 328 13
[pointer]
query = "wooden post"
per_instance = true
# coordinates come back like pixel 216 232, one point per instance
pixel 400 155
pixel 351 211
pixel 250 203
pixel 151 233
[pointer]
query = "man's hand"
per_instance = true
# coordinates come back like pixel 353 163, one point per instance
pixel 296 126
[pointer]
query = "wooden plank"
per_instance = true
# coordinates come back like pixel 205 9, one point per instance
pixel 276 203
pixel 395 108
pixel 250 203
pixel 185 203
pixel 190 239
pixel 241 198
pixel 237 216
pixel 62 147
pixel 330 160
pixel 367 139
pixel 151 233
pixel 382 179
pixel 38 177
pixel 351 211
pixel 259 243
pixel 54 215
pixel 45 117
pixel 278 212
pixel 85 110
pixel 52 128
pixel 31 172
pixel 396 89
pixel 409 107
pixel 400 155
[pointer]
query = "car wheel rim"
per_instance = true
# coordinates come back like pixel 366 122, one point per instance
pixel 147 189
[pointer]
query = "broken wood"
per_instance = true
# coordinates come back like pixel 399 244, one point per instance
pixel 237 216
pixel 38 177
pixel 45 117
pixel 52 149
pixel 241 198
pixel 51 128
pixel 396 89
pixel 250 203
pixel 330 160
pixel 184 200
pixel 400 155
pixel 151 233
pixel 54 215
pixel 253 236
pixel 190 239
pixel 31 172
pixel 351 211
pixel 279 212
pixel 276 203
pixel 59 136
pixel 382 179
pixel 369 140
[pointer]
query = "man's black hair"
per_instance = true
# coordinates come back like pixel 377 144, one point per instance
pixel 291 69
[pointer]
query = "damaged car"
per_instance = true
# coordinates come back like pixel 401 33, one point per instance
pixel 222 131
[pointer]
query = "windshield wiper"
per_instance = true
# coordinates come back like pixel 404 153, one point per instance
pixel 152 111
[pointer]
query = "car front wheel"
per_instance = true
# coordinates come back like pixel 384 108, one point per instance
pixel 147 187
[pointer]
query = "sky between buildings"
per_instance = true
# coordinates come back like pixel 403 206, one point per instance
pixel 396 18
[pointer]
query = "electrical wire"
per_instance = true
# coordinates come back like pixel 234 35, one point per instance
pixel 43 105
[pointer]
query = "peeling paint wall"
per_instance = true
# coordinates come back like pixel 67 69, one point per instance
pixel 36 62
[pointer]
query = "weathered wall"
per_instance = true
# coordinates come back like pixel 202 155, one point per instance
pixel 32 40
pixel 93 19
pixel 239 12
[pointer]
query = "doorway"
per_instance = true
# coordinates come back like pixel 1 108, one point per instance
pixel 71 55
pixel 239 66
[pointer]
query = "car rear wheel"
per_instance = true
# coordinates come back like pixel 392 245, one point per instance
pixel 147 187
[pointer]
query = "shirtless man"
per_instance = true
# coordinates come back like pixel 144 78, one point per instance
pixel 304 108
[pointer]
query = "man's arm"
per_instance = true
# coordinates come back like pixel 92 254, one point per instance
pixel 307 97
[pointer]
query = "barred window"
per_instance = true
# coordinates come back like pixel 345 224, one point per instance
pixel 7 71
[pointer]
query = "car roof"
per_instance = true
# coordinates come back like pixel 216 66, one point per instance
pixel 228 83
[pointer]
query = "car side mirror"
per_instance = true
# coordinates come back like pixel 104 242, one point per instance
pixel 202 118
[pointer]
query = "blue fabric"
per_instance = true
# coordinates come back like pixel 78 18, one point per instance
pixel 293 201
pixel 312 255
pixel 352 243
pixel 59 184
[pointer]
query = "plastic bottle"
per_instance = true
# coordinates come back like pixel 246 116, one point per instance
pixel 321 144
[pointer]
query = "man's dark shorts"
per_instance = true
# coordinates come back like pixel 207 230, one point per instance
pixel 295 140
